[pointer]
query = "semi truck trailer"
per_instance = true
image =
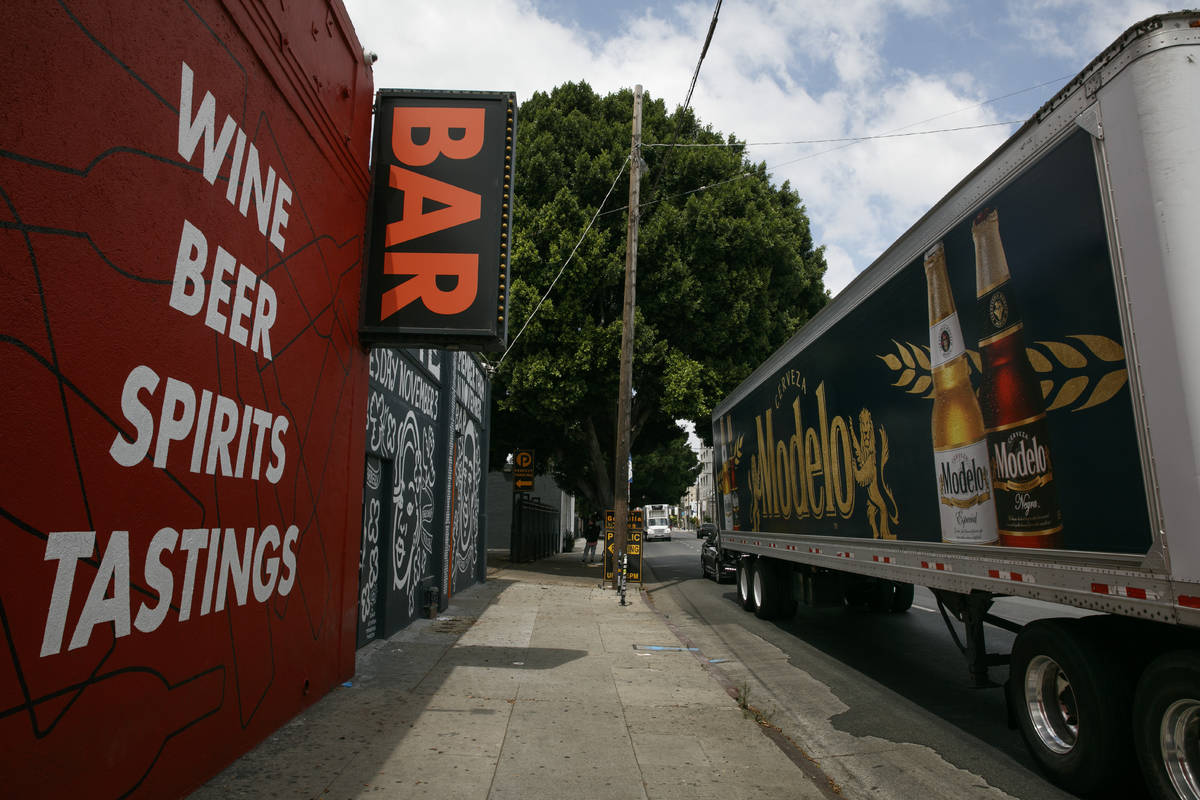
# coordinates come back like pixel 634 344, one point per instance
pixel 1007 403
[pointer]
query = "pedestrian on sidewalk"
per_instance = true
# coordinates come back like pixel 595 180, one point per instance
pixel 591 533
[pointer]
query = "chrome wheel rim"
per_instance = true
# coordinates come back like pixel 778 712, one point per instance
pixel 1179 741
pixel 1050 703
pixel 743 583
pixel 758 589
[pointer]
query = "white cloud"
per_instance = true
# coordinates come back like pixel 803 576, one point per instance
pixel 839 269
pixel 1076 30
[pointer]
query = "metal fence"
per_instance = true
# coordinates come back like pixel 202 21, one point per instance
pixel 535 531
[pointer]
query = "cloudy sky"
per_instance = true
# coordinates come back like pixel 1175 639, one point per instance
pixel 781 71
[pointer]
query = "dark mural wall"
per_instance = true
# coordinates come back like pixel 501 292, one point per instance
pixel 423 528
pixel 469 456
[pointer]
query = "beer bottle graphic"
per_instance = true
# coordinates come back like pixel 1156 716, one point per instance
pixel 1010 398
pixel 727 478
pixel 966 505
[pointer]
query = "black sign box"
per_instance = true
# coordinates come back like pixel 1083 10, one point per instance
pixel 439 226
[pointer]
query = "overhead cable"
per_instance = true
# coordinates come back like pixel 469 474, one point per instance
pixel 679 116
pixel 533 313
pixel 712 26
pixel 835 141
pixel 842 144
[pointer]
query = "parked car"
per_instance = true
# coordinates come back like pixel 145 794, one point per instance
pixel 715 561
pixel 705 529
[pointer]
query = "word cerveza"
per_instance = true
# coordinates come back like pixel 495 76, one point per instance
pixel 264 563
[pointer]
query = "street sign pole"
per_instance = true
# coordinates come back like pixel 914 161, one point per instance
pixel 522 472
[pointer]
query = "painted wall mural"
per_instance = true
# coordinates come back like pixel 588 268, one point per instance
pixel 181 232
pixel 369 566
pixel 467 473
pixel 412 501
pixel 423 526
pixel 470 396
pixel 422 504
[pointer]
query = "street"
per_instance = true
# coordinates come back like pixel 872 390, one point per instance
pixel 881 702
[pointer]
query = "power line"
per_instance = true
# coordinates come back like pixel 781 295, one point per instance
pixel 989 101
pixel 842 144
pixel 533 313
pixel 834 141
pixel 679 116
pixel 712 26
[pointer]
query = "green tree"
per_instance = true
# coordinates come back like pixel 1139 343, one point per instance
pixel 663 474
pixel 726 272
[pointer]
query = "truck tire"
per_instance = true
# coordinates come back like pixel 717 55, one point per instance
pixel 745 593
pixel 772 589
pixel 902 598
pixel 884 596
pixel 1166 726
pixel 880 595
pixel 1071 701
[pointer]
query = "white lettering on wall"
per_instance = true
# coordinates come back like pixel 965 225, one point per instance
pixel 216 441
pixel 261 561
pixel 270 195
pixel 226 309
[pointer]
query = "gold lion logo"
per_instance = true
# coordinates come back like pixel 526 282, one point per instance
pixel 998 310
pixel 868 473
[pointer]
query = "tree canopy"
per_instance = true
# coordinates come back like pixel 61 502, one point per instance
pixel 726 272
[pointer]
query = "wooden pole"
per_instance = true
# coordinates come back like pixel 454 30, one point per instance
pixel 625 389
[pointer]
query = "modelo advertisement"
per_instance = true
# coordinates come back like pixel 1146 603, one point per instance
pixel 980 397
pixel 184 398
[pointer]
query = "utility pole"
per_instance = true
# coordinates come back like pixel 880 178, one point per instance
pixel 625 390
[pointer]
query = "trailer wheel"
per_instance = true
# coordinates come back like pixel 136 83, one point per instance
pixel 902 598
pixel 744 593
pixel 1071 703
pixel 879 595
pixel 1166 726
pixel 856 592
pixel 764 599
pixel 772 589
pixel 886 596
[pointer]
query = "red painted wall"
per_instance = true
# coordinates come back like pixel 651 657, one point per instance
pixel 181 459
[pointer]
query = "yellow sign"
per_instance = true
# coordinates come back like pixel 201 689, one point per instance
pixel 633 549
pixel 523 471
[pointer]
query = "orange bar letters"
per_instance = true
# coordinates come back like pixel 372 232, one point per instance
pixel 439 122
pixel 460 206
pixel 425 268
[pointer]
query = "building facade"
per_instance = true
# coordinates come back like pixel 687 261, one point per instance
pixel 211 491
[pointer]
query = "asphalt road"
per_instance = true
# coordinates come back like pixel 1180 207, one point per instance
pixel 882 702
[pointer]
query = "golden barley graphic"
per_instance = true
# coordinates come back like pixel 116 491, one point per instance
pixel 1076 374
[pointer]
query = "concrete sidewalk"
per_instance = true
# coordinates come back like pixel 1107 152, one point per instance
pixel 535 684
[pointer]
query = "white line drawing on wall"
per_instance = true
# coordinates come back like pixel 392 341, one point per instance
pixel 466 503
pixel 370 552
pixel 381 426
pixel 412 500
